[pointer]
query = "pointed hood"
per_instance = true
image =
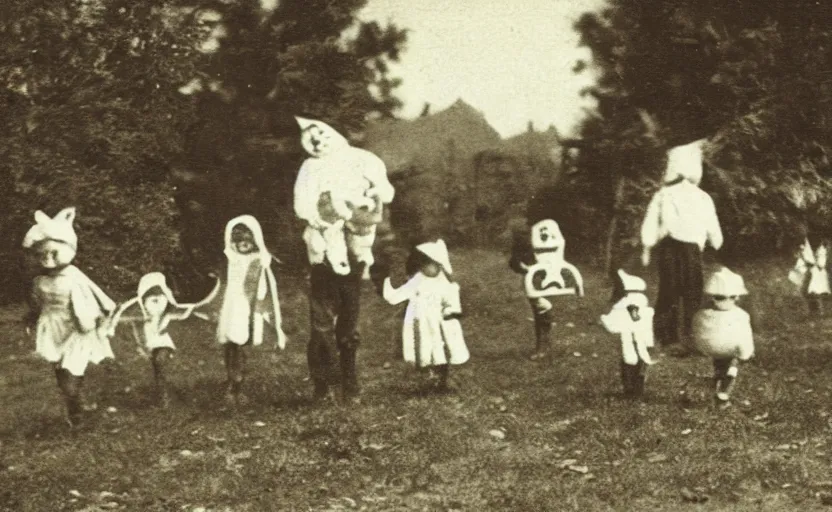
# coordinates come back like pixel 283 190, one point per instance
pixel 438 252
pixel 57 228
pixel 318 138
pixel 685 161
pixel 631 283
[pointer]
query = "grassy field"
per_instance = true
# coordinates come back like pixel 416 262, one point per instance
pixel 519 435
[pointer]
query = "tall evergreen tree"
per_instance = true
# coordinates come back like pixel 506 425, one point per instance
pixel 748 75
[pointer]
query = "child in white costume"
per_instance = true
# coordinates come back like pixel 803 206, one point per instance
pixel 432 335
pixel 246 298
pixel 632 318
pixel 71 310
pixel 339 188
pixel 723 330
pixel 811 277
pixel 547 276
pixel 157 308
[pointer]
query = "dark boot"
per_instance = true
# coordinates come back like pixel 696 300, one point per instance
pixel 349 375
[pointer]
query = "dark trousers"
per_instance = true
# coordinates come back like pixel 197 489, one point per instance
pixel 680 290
pixel 334 307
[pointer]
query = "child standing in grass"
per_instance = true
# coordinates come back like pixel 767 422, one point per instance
pixel 432 335
pixel 69 311
pixel 722 330
pixel 538 254
pixel 631 317
pixel 248 299
pixel 157 308
pixel 810 275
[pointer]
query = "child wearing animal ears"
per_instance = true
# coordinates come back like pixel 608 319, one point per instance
pixel 69 311
pixel 246 299
pixel 158 309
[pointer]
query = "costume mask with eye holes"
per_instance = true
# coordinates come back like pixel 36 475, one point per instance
pixel 551 274
pixel 53 239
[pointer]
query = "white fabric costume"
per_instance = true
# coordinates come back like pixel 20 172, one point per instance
pixel 636 335
pixel 431 335
pixel 551 275
pixel 248 296
pixel 339 188
pixel 681 210
pixel 725 332
pixel 809 272
pixel 71 327
pixel 154 323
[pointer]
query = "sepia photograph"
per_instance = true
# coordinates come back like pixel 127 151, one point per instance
pixel 415 255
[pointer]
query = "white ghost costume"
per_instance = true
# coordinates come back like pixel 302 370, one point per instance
pixel 71 327
pixel 340 192
pixel 809 272
pixel 636 335
pixel 154 325
pixel 432 334
pixel 551 275
pixel 248 296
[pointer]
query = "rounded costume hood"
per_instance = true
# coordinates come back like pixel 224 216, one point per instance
pixel 150 281
pixel 726 283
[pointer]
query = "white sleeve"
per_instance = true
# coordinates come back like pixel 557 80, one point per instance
pixel 377 174
pixel 714 230
pixel 398 295
pixel 306 196
pixel 650 224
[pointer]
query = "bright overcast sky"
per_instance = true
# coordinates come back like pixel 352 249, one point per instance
pixel 511 60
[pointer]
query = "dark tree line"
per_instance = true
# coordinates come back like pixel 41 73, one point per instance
pixel 93 117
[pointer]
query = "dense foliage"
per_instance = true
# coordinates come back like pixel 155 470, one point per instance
pixel 95 117
pixel 750 76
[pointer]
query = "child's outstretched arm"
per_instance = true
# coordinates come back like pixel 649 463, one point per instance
pixel 398 295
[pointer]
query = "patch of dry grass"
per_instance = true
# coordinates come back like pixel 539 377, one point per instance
pixel 565 440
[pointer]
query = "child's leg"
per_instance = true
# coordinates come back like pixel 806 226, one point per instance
pixel 639 378
pixel 232 367
pixel 69 386
pixel 361 245
pixel 443 371
pixel 627 379
pixel 721 371
pixel 159 359
pixel 542 328
pixel 730 376
pixel 815 305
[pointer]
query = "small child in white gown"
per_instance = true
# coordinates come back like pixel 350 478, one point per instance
pixel 432 335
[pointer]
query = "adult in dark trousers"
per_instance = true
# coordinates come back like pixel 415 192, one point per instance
pixel 336 175
pixel 680 221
